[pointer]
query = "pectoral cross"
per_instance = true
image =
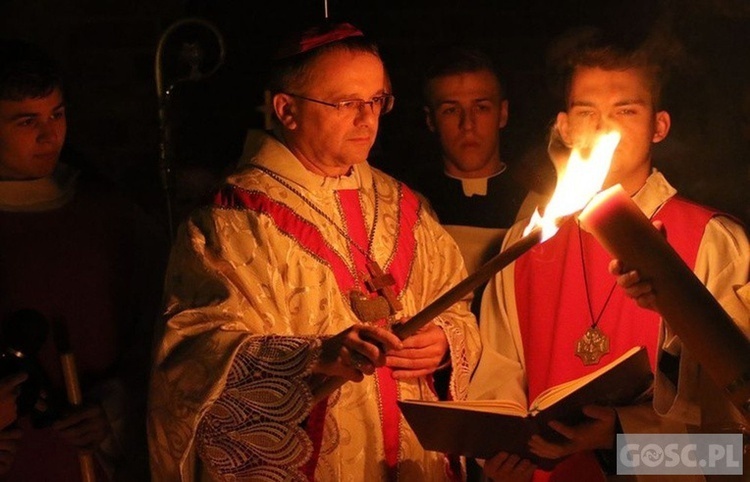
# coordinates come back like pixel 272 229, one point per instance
pixel 383 283
pixel 373 308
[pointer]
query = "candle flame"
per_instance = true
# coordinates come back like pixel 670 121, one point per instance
pixel 577 182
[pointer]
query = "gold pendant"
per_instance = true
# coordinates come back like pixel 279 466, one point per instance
pixel 592 346
pixel 383 283
pixel 369 309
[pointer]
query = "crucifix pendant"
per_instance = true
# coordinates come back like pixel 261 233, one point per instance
pixel 383 283
pixel 592 346
pixel 373 308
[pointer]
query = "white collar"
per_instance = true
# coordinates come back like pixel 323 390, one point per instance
pixel 654 193
pixel 266 151
pixel 42 194
pixel 476 186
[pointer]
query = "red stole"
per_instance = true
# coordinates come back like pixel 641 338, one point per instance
pixel 553 312
pixel 399 265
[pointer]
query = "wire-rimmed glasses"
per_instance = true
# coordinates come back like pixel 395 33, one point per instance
pixel 380 104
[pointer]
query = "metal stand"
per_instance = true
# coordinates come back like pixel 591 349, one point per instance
pixel 193 54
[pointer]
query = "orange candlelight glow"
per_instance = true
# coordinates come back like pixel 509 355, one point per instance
pixel 578 181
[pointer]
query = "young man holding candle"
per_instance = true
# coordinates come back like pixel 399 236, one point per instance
pixel 557 314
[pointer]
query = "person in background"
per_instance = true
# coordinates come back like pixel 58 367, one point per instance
pixel 471 188
pixel 473 192
pixel 291 276
pixel 80 272
pixel 556 314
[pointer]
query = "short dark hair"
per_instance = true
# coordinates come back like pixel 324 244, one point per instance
pixel 26 71
pixel 288 73
pixel 656 54
pixel 459 60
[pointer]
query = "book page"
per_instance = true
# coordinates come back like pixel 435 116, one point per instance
pixel 558 392
pixel 503 407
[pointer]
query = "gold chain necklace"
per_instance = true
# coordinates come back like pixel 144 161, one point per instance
pixel 367 308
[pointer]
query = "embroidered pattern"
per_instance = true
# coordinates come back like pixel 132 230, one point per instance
pixel 461 372
pixel 262 268
pixel 253 430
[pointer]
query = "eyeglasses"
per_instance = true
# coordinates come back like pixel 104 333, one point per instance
pixel 380 105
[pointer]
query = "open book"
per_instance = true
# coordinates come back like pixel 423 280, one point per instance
pixel 482 428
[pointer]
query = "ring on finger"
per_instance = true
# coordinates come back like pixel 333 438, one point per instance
pixel 358 362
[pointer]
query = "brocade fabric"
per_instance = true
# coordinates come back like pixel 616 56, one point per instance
pixel 249 295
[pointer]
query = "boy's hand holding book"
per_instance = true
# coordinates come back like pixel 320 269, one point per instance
pixel 567 418
pixel 596 434
pixel 507 467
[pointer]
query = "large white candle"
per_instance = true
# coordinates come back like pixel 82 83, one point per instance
pixel 684 302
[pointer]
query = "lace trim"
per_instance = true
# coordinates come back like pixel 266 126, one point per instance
pixel 459 386
pixel 252 431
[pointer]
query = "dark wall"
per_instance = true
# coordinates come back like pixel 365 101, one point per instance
pixel 107 48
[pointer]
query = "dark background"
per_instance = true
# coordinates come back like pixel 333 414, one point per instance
pixel 107 50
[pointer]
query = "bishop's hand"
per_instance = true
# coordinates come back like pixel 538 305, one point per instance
pixel 422 353
pixel 355 352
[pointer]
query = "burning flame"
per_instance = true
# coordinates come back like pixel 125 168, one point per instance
pixel 577 182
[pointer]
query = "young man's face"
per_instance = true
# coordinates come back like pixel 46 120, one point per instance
pixel 327 140
pixel 467 112
pixel 603 100
pixel 32 133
